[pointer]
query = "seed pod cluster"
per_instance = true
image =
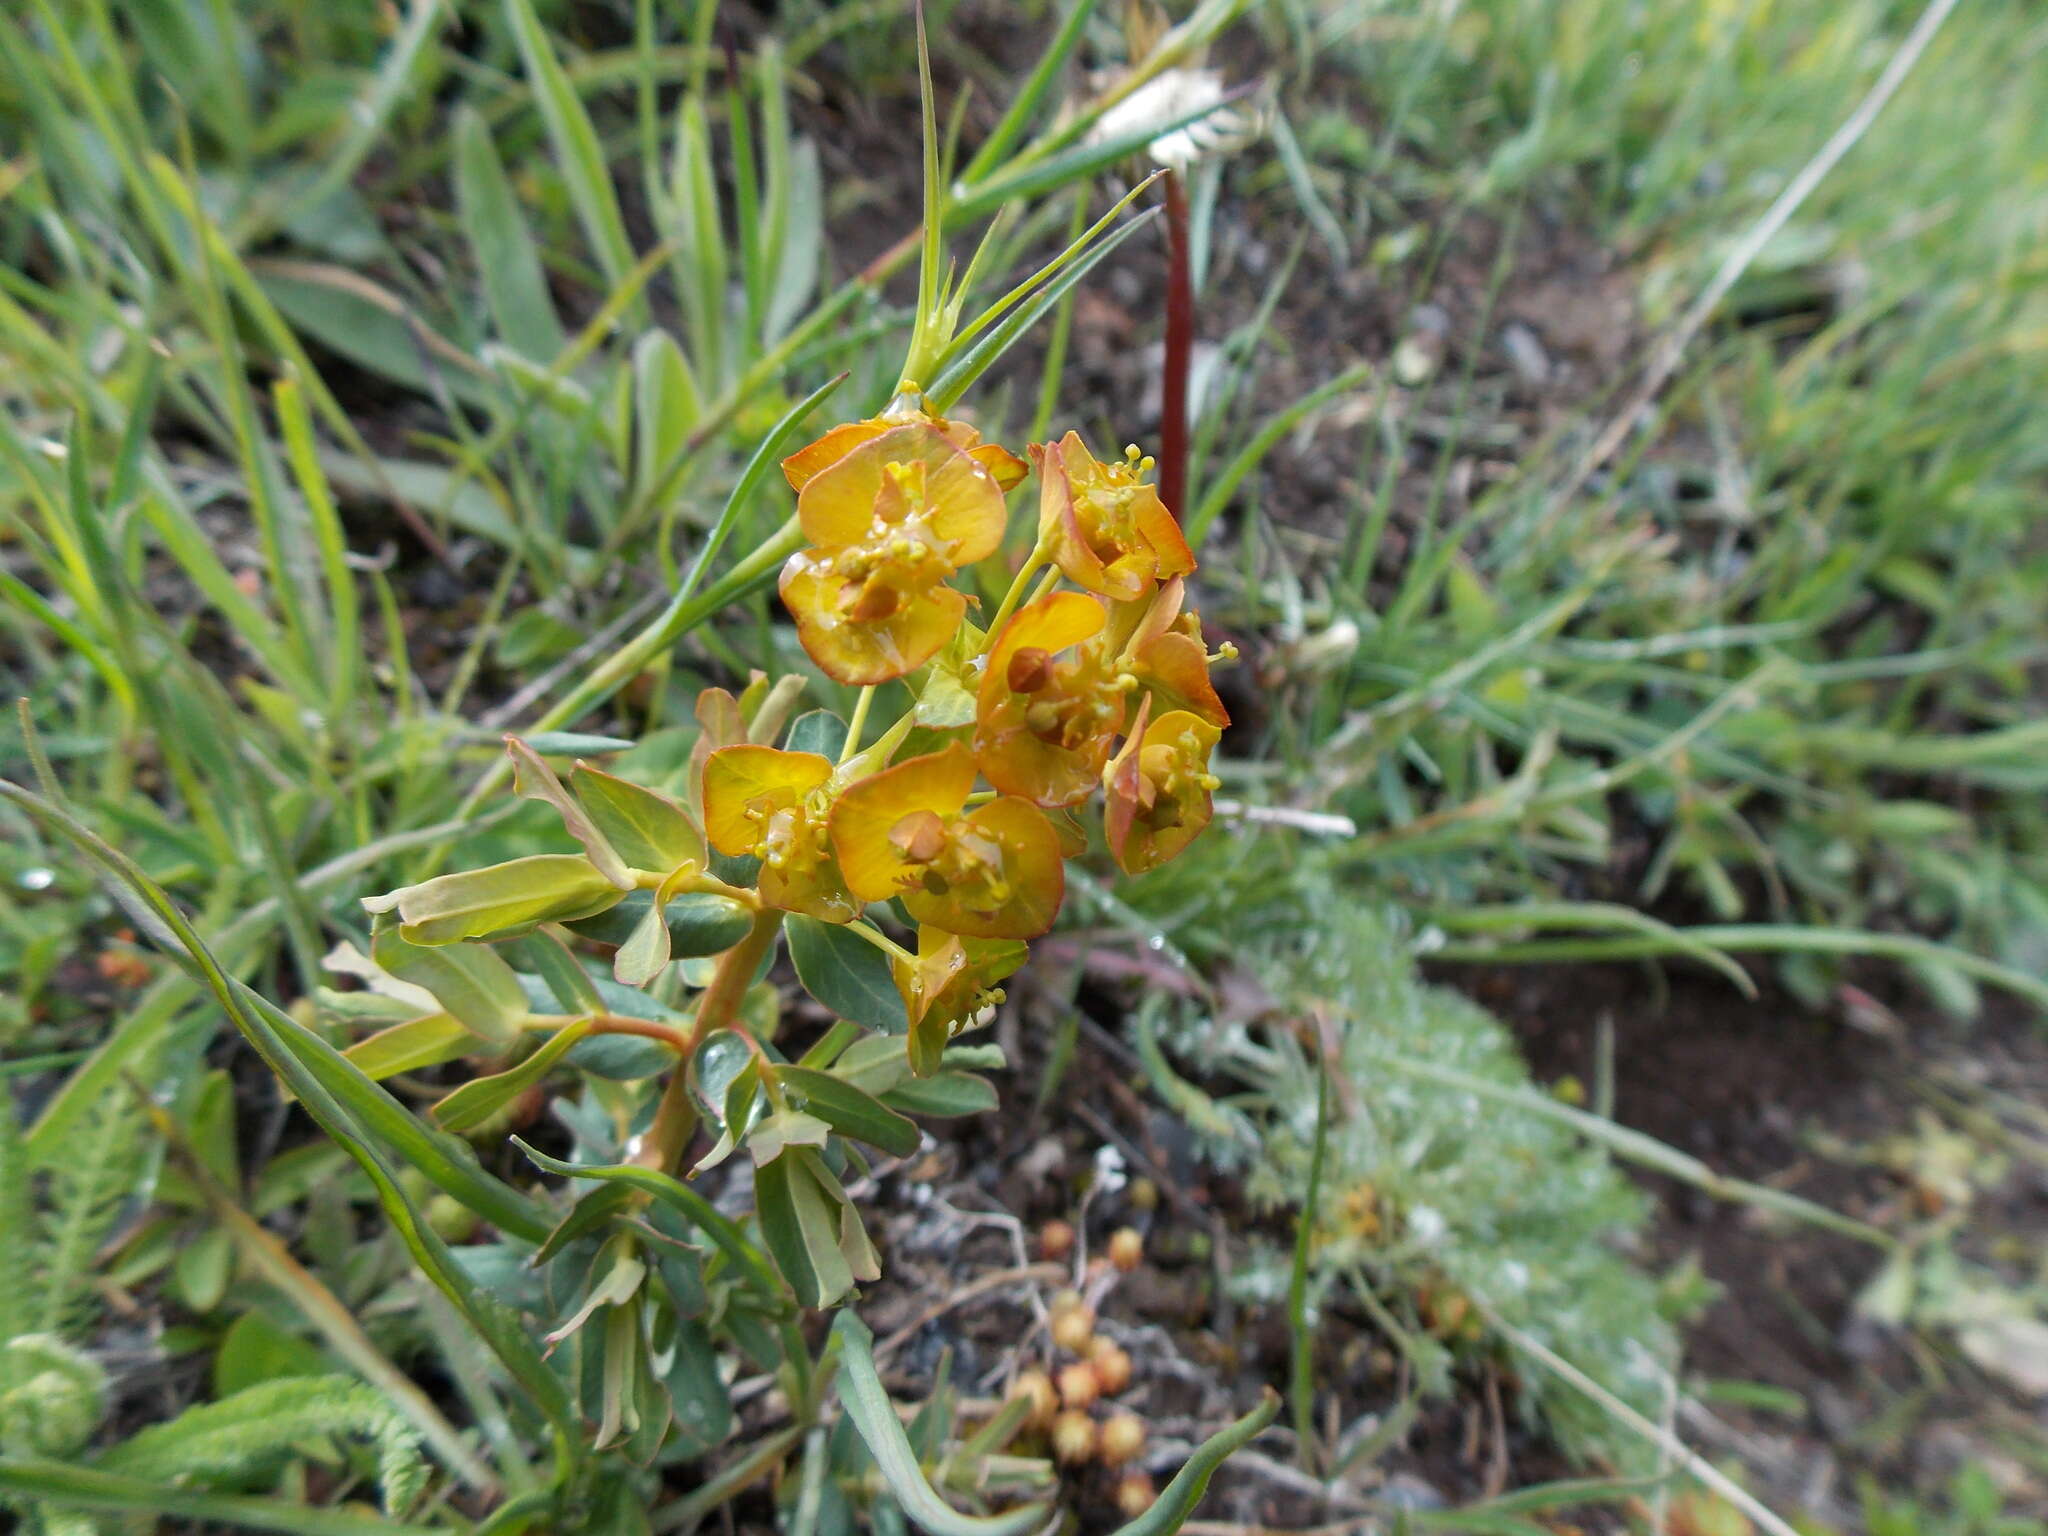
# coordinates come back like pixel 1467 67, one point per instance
pixel 1073 1413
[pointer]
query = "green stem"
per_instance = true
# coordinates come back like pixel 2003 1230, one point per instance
pixel 857 724
pixel 1011 598
pixel 882 941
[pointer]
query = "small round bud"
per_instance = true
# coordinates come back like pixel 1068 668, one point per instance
pixel 1126 1248
pixel 1134 1495
pixel 1055 1242
pixel 1037 1387
pixel 1073 1436
pixel 1123 1437
pixel 1078 1385
pixel 1112 1367
pixel 1143 1195
pixel 1073 1327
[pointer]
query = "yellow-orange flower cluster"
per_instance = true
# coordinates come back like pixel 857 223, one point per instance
pixel 1106 685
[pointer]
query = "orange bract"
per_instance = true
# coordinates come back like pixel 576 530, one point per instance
pixel 774 805
pixel 993 872
pixel 1166 654
pixel 1107 529
pixel 1157 789
pixel 801 467
pixel 1050 702
pixel 890 520
pixel 951 987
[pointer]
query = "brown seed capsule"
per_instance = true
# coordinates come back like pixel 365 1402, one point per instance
pixel 1078 1385
pixel 1056 1239
pixel 1030 669
pixel 1134 1494
pixel 1123 1436
pixel 1037 1387
pixel 1073 1436
pixel 1112 1367
pixel 1073 1327
pixel 1126 1248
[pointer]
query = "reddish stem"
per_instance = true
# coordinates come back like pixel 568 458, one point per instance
pixel 675 1118
pixel 1180 342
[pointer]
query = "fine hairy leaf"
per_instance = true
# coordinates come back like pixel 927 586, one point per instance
pixel 214 1443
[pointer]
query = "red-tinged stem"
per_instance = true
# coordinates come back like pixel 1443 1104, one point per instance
pixel 1180 343
pixel 676 1117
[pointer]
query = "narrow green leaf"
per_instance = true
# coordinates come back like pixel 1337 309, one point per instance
pixel 847 974
pixel 298 1055
pixel 74 1487
pixel 470 981
pixel 699 922
pixel 800 1223
pixel 577 149
pixel 499 899
pixel 868 1405
pixel 409 1047
pixel 1024 106
pixel 515 286
pixel 946 1096
pixel 988 348
pixel 687 1203
pixel 647 828
pixel 666 406
pixel 572 987
pixel 645 953
pixel 1177 1500
pixel 849 1111
pixel 533 778
pixel 475 1102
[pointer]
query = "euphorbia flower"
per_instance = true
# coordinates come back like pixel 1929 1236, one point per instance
pixel 889 522
pixel 1104 525
pixel 991 873
pixel 801 467
pixel 1050 702
pixel 1166 654
pixel 951 987
pixel 774 805
pixel 1157 789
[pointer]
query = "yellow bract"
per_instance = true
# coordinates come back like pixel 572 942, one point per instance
pixel 1103 524
pixel 1157 789
pixel 951 987
pixel 894 507
pixel 801 467
pixel 1166 654
pixel 890 520
pixel 993 872
pixel 774 805
pixel 1050 702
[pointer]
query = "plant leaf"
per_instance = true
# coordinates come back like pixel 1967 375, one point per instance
pixel 417 1043
pixel 1177 1500
pixel 868 1405
pixel 687 1203
pixel 845 973
pixel 515 287
pixel 851 1112
pixel 475 1102
pixel 469 981
pixel 648 829
pixel 533 778
pixel 500 899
